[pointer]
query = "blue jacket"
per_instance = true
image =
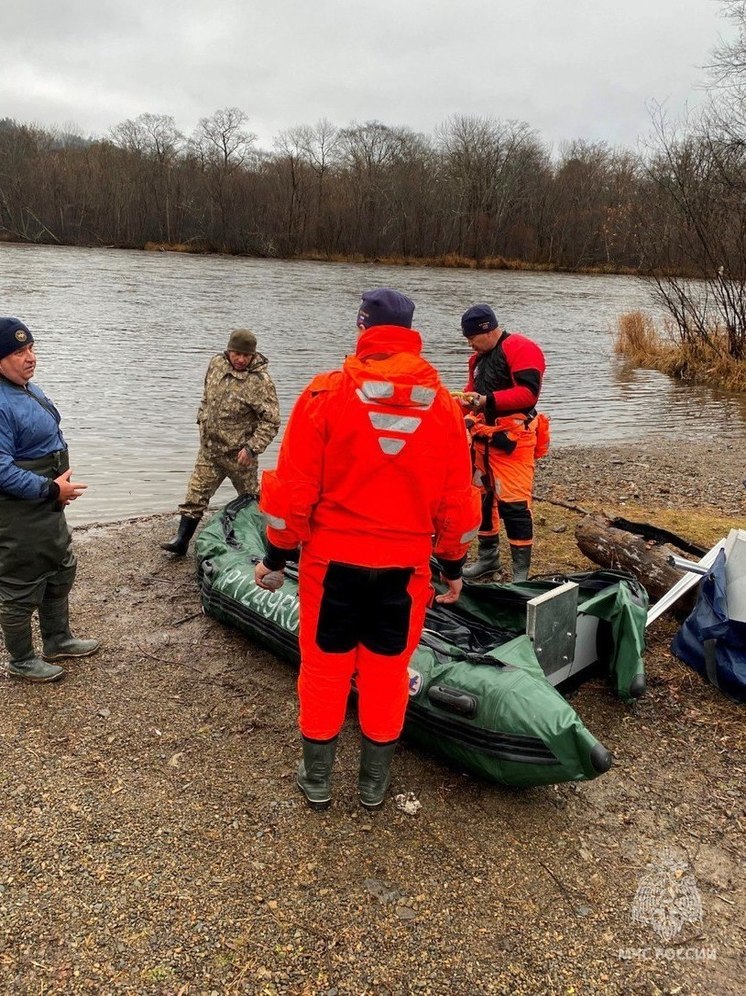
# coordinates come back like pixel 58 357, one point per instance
pixel 29 429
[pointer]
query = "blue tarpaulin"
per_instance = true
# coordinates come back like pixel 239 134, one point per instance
pixel 710 641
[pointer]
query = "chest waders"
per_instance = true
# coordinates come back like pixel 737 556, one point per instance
pixel 37 570
pixel 35 541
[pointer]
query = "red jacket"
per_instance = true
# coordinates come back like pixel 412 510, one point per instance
pixel 510 375
pixel 374 468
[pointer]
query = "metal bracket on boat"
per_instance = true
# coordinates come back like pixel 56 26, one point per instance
pixel 551 621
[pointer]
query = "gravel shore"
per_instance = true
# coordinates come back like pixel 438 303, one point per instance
pixel 655 474
pixel 153 840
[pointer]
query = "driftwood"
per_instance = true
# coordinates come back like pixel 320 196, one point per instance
pixel 639 549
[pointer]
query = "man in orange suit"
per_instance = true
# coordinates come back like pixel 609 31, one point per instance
pixel 373 478
pixel 507 436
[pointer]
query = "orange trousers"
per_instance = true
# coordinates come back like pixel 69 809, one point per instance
pixel 505 476
pixel 361 625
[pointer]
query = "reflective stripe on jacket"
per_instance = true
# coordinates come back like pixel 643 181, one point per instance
pixel 374 469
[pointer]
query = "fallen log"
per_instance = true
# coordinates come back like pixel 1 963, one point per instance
pixel 610 543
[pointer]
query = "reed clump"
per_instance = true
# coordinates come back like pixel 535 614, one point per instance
pixel 697 358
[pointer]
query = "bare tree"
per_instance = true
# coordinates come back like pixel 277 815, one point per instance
pixel 483 164
pixel 222 147
pixel 698 178
pixel 593 215
pixel 318 146
pixel 369 152
pixel 697 244
pixel 154 141
pixel 21 147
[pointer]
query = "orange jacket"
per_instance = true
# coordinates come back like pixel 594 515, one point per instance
pixel 374 468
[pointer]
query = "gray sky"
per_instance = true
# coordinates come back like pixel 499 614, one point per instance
pixel 569 68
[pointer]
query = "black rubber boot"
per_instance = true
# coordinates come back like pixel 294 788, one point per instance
pixel 23 661
pixel 54 623
pixel 315 772
pixel 180 543
pixel 375 771
pixel 487 562
pixel 521 557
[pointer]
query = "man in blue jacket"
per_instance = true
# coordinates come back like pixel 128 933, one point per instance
pixel 37 563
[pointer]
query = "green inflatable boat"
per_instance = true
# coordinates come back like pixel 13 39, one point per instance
pixel 486 679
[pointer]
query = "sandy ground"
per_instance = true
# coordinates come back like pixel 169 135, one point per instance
pixel 152 839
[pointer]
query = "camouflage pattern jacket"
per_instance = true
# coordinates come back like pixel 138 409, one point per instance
pixel 238 408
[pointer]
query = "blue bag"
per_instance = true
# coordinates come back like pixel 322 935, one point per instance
pixel 712 643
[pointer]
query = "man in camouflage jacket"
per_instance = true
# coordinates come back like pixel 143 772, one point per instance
pixel 238 418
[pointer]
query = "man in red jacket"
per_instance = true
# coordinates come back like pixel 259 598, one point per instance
pixel 373 477
pixel 507 435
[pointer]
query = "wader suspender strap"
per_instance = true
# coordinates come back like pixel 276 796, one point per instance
pixel 44 405
pixel 489 475
pixel 488 478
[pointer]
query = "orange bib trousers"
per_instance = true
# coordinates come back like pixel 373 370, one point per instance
pixel 357 624
pixel 504 460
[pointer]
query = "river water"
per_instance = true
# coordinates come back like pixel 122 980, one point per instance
pixel 124 337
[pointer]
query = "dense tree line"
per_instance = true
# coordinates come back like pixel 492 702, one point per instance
pixel 479 188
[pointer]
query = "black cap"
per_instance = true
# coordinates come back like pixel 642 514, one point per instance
pixel 13 336
pixel 384 306
pixel 478 319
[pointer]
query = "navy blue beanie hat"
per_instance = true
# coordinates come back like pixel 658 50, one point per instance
pixel 384 306
pixel 478 319
pixel 13 335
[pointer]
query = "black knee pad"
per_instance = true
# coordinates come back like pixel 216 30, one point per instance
pixel 516 516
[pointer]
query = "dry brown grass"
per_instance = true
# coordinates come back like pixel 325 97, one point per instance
pixel 333 257
pixel 697 360
pixel 501 263
pixel 615 269
pixel 704 364
pixel 455 261
pixel 173 247
pixel 638 339
pixel 452 260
